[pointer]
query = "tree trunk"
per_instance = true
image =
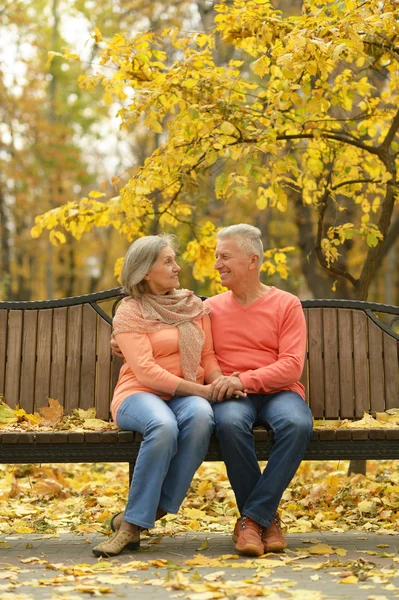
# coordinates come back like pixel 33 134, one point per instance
pixel 5 260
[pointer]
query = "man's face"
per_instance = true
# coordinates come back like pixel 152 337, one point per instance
pixel 232 263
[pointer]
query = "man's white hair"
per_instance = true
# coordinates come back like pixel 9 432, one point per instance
pixel 247 237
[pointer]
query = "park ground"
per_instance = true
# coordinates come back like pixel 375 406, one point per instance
pixel 342 535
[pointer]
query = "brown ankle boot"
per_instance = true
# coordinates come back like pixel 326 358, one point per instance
pixel 272 536
pixel 249 538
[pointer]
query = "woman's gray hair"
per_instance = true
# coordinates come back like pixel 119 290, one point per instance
pixel 140 259
pixel 247 237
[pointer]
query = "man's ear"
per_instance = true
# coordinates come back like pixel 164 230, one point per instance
pixel 253 261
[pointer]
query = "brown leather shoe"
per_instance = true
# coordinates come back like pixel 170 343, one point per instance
pixel 118 542
pixel 272 536
pixel 236 531
pixel 249 538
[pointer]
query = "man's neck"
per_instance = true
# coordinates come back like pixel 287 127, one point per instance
pixel 247 295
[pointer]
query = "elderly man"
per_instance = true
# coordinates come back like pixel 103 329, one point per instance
pixel 259 335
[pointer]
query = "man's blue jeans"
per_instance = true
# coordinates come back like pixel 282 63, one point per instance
pixel 175 440
pixel 288 416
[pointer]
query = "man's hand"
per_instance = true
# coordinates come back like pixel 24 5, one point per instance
pixel 224 387
pixel 115 348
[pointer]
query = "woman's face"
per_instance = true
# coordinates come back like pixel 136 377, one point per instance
pixel 164 274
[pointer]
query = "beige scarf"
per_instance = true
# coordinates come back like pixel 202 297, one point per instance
pixel 179 308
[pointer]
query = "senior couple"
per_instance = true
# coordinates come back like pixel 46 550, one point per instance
pixel 192 367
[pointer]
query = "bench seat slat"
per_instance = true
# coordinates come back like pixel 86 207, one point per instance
pixel 42 380
pixel 376 366
pixel 316 365
pixel 331 365
pixel 14 350
pixel 88 376
pixel 391 371
pixel 361 372
pixel 346 383
pixel 74 341
pixel 3 348
pixel 28 365
pixel 103 387
pixel 58 364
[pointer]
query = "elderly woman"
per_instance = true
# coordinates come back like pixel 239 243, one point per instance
pixel 165 337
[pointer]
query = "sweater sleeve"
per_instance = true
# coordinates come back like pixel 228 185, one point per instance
pixel 287 369
pixel 137 350
pixel 208 359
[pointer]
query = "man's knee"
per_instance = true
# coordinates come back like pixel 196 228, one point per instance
pixel 229 423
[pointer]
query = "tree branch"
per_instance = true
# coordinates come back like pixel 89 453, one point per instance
pixel 320 227
pixel 332 136
pixel 392 132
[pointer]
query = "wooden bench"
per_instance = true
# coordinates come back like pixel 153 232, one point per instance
pixel 60 349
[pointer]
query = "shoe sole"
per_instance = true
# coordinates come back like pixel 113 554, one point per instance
pixel 277 547
pixel 130 546
pixel 250 550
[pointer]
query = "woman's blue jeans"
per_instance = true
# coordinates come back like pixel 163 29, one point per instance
pixel 175 440
pixel 288 416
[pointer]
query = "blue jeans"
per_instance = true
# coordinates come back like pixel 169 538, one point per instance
pixel 175 440
pixel 258 494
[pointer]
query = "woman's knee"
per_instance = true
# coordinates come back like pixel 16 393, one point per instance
pixel 163 431
pixel 199 417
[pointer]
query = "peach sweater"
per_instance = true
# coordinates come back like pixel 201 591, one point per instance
pixel 265 341
pixel 152 363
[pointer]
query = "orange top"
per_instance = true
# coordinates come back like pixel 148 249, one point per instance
pixel 152 363
pixel 265 341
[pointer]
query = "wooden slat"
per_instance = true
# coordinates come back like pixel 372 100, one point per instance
pixel 110 437
pixel 304 376
pixel 93 437
pixel 42 379
pixel 74 340
pixel 103 369
pixel 376 366
pixel 76 437
pixel 377 434
pixel 28 366
pixel 88 371
pixel 316 365
pixel 360 362
pixel 3 348
pixel 343 434
pixel 327 434
pixel 125 436
pixel 58 350
pixel 331 365
pixel 391 371
pixel 346 382
pixel 14 347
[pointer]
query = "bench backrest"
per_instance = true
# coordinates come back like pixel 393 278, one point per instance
pixel 60 349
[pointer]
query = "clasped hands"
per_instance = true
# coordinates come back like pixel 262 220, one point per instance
pixel 226 387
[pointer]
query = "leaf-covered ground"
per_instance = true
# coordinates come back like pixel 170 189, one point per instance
pixel 81 498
